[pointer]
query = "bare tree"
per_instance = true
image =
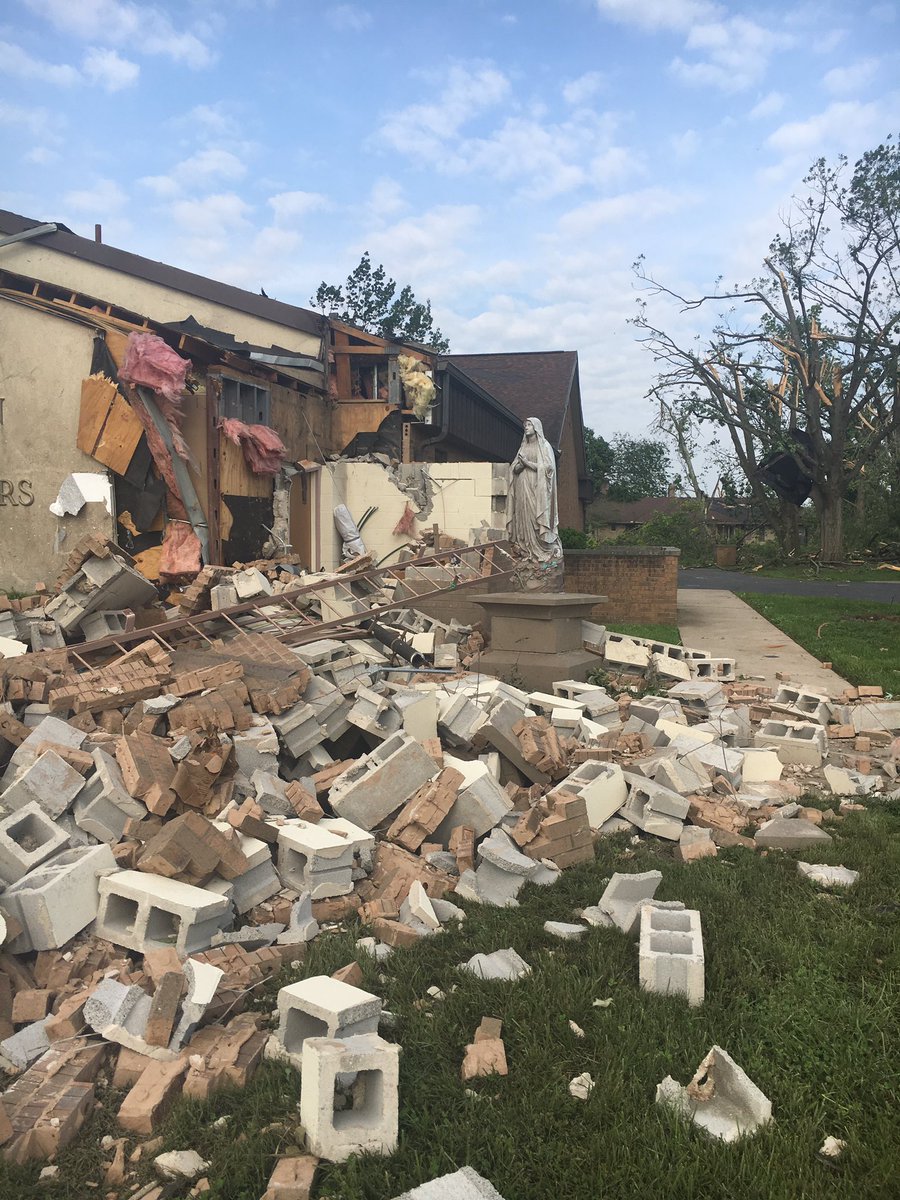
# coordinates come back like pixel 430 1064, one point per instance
pixel 805 359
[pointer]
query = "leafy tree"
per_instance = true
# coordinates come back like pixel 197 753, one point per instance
pixel 368 299
pixel 805 360
pixel 640 467
pixel 598 457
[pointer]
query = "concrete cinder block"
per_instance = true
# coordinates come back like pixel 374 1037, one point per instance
pixel 670 953
pixel 27 838
pixel 481 803
pixel 795 742
pixel 142 912
pixel 621 651
pixel 378 784
pixel 624 896
pixel 49 781
pixel 761 766
pixel 501 964
pixel 370 1124
pixel 721 1098
pixel 103 807
pixel 322 1007
pixel 299 730
pixel 810 705
pixel 315 859
pixel 503 870
pixel 654 809
pixel 718 760
pixel 459 719
pixel 602 786
pixel 464 1184
pixel 256 748
pixel 59 898
pixel 49 730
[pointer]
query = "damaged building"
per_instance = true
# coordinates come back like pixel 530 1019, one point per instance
pixel 281 416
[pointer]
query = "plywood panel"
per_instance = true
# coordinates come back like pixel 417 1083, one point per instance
pixel 97 395
pixel 120 436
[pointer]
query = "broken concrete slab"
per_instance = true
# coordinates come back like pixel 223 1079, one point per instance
pixel 721 1098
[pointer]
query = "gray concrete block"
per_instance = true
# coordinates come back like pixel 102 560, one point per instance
pixel 27 838
pixel 792 833
pixel 624 896
pixel 57 899
pixel 501 964
pixel 670 953
pixel 721 1098
pixel 142 911
pixel 49 781
pixel 103 807
pixel 323 1007
pixel 378 784
pixel 464 1184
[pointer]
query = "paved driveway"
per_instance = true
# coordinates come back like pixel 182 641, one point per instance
pixel 712 579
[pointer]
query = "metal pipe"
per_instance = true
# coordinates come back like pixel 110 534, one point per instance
pixel 27 234
pixel 395 642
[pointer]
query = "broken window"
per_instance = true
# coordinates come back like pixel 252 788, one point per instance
pixel 247 402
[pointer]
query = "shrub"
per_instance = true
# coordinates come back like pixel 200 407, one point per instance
pixel 685 529
pixel 575 539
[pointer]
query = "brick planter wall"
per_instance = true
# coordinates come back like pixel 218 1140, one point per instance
pixel 640 582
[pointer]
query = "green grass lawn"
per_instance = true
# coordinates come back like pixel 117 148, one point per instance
pixel 802 989
pixel 654 633
pixel 859 638
pixel 827 574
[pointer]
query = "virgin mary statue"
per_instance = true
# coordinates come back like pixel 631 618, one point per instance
pixel 533 523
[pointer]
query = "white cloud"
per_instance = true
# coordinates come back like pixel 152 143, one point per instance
pixel 733 53
pixel 654 15
pixel 211 118
pixel 294 206
pixel 105 198
pixel 542 158
pixel 584 88
pixel 423 246
pixel 163 186
pixel 123 23
pixel 211 216
pixel 196 173
pixel 423 129
pixel 41 156
pixel 642 205
pixel 768 106
pixel 386 199
pixel 109 69
pixel 849 80
pixel 212 163
pixel 36 121
pixel 348 18
pixel 685 145
pixel 19 63
pixel 844 123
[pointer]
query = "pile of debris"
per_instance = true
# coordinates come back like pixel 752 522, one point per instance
pixel 179 823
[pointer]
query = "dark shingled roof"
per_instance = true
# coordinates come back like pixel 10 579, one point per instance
pixel 532 384
pixel 66 242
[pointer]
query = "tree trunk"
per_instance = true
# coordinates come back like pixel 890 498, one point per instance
pixel 789 527
pixel 831 528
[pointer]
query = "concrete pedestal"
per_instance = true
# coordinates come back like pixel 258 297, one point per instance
pixel 535 637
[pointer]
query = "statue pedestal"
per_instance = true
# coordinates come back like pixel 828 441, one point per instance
pixel 535 637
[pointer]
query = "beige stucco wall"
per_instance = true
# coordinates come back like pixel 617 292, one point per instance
pixel 149 299
pixel 463 496
pixel 42 362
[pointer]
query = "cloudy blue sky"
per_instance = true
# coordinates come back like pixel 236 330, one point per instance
pixel 509 159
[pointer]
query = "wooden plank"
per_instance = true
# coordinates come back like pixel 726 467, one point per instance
pixel 97 396
pixel 120 436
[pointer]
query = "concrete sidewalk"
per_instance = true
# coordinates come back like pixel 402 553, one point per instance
pixel 719 622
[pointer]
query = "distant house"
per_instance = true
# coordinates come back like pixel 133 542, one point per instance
pixel 726 522
pixel 542 384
